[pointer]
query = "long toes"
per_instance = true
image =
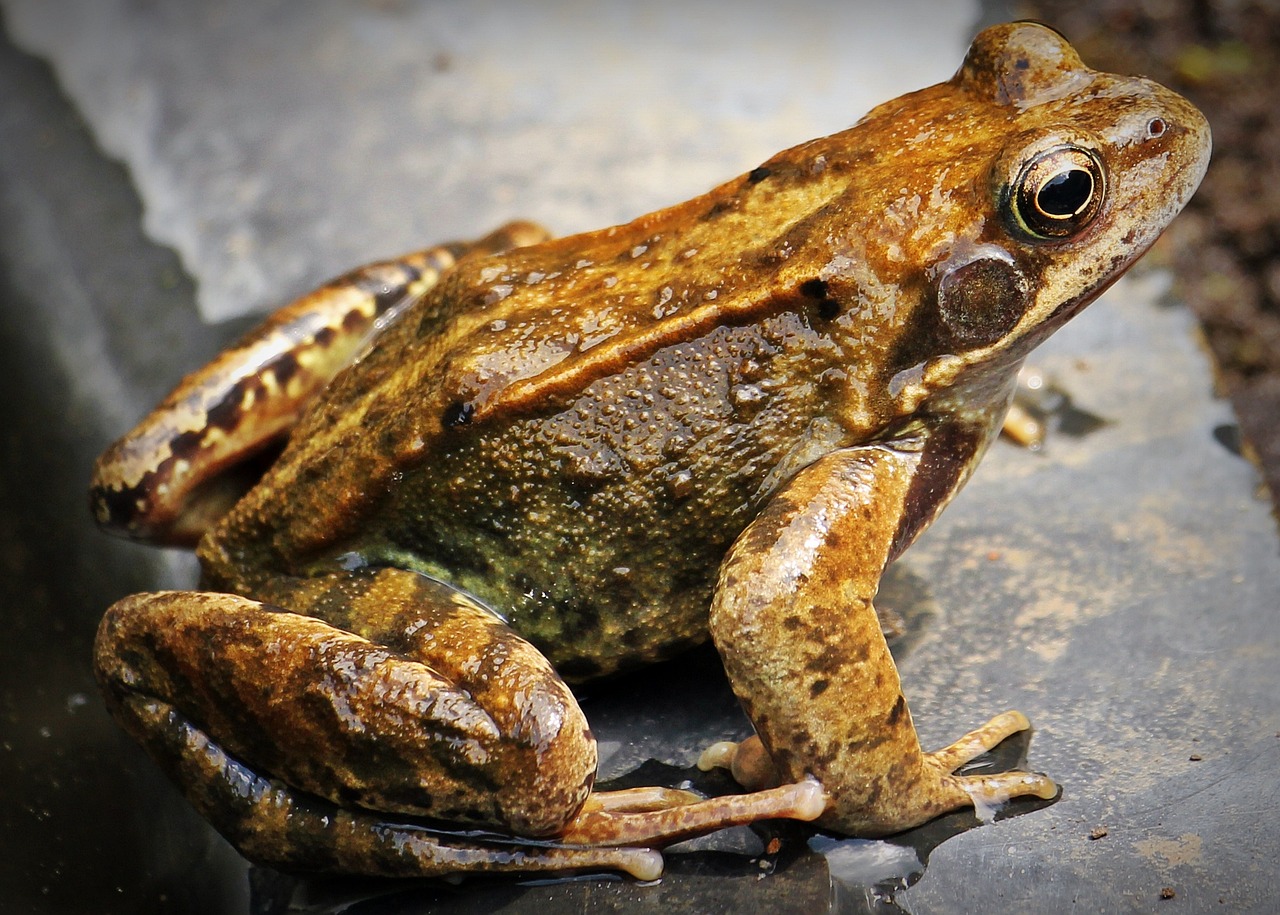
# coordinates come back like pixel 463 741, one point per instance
pixel 804 800
pixel 988 792
pixel 977 742
pixel 991 792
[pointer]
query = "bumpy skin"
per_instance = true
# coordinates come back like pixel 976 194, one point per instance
pixel 584 454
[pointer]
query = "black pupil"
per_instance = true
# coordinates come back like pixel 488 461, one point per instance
pixel 1066 193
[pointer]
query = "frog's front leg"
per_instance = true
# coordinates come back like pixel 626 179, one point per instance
pixel 327 743
pixel 794 622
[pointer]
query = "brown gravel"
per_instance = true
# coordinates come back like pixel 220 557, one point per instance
pixel 1225 250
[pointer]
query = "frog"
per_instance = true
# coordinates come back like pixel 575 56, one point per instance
pixel 435 495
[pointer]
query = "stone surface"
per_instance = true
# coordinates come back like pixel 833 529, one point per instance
pixel 274 144
pixel 1120 586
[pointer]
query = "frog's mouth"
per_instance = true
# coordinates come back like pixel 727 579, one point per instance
pixel 1073 306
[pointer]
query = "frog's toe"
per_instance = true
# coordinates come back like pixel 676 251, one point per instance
pixel 669 820
pixel 980 740
pixel 989 791
pixel 748 761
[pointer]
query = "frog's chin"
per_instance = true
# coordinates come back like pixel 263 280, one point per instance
pixel 1073 306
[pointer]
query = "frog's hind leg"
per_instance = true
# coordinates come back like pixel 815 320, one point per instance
pixel 432 712
pixel 171 477
pixel 274 824
pixel 406 698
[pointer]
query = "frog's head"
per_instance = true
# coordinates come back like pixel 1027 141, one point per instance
pixel 1070 175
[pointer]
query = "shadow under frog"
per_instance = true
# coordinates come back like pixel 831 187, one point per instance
pixel 522 462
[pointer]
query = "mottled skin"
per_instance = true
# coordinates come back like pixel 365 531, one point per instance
pixel 583 454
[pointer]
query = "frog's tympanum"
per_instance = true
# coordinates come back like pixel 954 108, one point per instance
pixel 522 462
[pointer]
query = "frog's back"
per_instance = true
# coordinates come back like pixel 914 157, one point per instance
pixel 587 497
pixel 629 362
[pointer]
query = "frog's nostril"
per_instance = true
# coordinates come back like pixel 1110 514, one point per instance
pixel 1155 128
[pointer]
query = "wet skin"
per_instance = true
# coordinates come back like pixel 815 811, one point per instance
pixel 523 461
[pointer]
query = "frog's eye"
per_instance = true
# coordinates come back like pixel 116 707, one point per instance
pixel 1058 193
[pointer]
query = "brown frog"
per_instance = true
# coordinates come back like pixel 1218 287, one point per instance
pixel 520 462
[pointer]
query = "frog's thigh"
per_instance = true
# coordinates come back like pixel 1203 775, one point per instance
pixel 794 622
pixel 278 826
pixel 337 717
pixel 173 475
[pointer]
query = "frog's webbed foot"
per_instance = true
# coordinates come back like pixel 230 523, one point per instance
pixel 926 785
pixel 186 463
pixel 989 790
pixel 936 788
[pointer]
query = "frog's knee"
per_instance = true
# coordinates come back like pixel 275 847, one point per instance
pixel 122 661
pixel 549 776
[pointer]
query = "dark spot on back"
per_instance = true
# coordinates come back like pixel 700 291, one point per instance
pixel 814 288
pixel 756 175
pixel 896 712
pixel 284 367
pixel 720 208
pixel 818 687
pixel 457 414
pixel 818 290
